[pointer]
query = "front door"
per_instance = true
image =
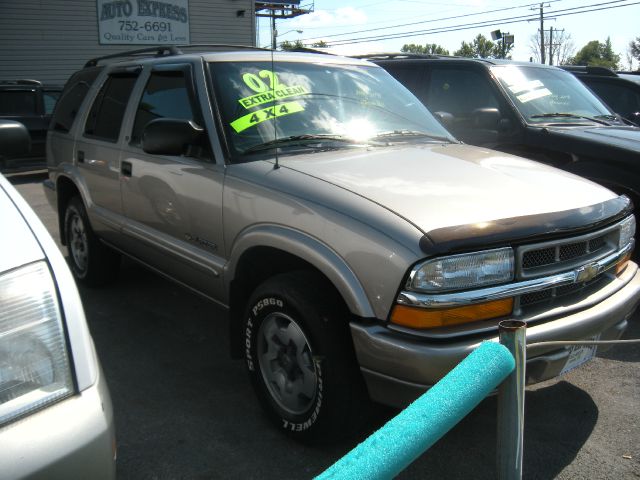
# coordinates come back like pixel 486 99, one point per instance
pixel 173 204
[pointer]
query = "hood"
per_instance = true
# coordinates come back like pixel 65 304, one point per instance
pixel 437 186
pixel 622 137
pixel 606 142
pixel 18 245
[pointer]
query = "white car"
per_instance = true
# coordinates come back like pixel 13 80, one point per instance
pixel 56 418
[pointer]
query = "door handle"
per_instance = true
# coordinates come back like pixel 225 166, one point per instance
pixel 80 156
pixel 126 168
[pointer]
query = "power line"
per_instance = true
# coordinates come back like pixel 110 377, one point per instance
pixel 430 21
pixel 468 26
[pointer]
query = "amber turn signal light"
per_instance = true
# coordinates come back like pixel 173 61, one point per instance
pixel 424 318
pixel 622 264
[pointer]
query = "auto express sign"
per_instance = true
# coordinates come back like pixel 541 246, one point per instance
pixel 139 22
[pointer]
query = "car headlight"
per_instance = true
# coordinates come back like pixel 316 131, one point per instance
pixel 34 363
pixel 627 231
pixel 469 270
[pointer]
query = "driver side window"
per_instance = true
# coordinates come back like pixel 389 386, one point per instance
pixel 165 96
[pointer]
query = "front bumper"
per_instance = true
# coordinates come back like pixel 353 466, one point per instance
pixel 398 367
pixel 74 438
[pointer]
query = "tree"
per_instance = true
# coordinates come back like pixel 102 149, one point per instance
pixel 287 45
pixel 561 50
pixel 634 48
pixel 429 49
pixel 482 47
pixel 320 44
pixel 597 54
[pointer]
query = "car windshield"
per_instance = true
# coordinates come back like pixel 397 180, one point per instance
pixel 547 95
pixel 293 105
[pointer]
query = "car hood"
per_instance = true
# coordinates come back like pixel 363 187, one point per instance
pixel 625 138
pixel 436 186
pixel 613 143
pixel 17 243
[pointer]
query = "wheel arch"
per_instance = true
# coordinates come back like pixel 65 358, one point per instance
pixel 270 250
pixel 66 189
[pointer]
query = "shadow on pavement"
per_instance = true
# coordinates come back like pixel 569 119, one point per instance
pixel 184 409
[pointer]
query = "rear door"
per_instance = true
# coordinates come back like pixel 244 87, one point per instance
pixel 98 148
pixel 173 203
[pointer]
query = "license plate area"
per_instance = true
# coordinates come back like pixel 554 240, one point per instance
pixel 579 355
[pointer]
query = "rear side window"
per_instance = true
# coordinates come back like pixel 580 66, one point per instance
pixel 50 97
pixel 71 99
pixel 459 92
pixel 165 96
pixel 620 98
pixel 18 102
pixel 106 115
pixel 412 76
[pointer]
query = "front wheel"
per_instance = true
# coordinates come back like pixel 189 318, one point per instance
pixel 91 262
pixel 300 358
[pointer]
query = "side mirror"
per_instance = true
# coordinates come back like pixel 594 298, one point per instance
pixel 171 136
pixel 486 118
pixel 14 138
pixel 445 118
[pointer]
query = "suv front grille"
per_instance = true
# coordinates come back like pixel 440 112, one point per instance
pixel 553 257
pixel 558 256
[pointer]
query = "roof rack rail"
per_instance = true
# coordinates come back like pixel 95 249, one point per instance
pixel 309 50
pixel 390 56
pixel 588 69
pixel 23 81
pixel 166 50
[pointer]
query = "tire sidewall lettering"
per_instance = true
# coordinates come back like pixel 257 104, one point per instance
pixel 256 314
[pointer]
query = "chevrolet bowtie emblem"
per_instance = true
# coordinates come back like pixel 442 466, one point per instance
pixel 586 273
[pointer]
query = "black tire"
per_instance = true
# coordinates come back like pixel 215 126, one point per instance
pixel 300 358
pixel 91 262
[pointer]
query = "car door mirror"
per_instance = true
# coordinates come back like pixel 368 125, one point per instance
pixel 171 136
pixel 14 138
pixel 445 118
pixel 486 118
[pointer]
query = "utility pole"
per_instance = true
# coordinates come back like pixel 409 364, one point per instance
pixel 274 33
pixel 550 45
pixel 542 56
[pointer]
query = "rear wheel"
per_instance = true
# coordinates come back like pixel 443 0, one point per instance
pixel 91 262
pixel 300 358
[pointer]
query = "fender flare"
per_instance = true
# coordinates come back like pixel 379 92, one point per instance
pixel 309 249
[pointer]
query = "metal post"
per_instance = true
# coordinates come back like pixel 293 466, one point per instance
pixel 511 403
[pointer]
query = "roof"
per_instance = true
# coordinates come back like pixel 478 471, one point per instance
pixel 399 56
pixel 219 52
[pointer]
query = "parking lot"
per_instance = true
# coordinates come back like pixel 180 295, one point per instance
pixel 184 409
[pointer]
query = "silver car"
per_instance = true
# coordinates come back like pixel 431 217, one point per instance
pixel 56 420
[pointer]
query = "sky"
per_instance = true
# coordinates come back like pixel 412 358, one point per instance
pixel 343 21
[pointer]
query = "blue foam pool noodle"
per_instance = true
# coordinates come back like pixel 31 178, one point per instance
pixel 405 437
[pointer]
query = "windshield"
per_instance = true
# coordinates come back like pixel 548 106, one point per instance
pixel 316 105
pixel 547 95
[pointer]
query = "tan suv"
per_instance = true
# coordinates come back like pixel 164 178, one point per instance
pixel 360 250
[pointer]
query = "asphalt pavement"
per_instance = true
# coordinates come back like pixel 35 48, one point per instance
pixel 185 410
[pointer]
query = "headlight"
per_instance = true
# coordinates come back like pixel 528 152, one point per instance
pixel 469 270
pixel 627 231
pixel 34 364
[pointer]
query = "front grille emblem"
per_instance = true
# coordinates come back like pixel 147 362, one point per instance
pixel 587 272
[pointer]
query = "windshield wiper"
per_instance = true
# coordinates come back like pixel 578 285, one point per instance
pixel 293 140
pixel 571 115
pixel 413 133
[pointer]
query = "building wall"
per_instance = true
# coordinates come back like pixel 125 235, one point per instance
pixel 48 40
